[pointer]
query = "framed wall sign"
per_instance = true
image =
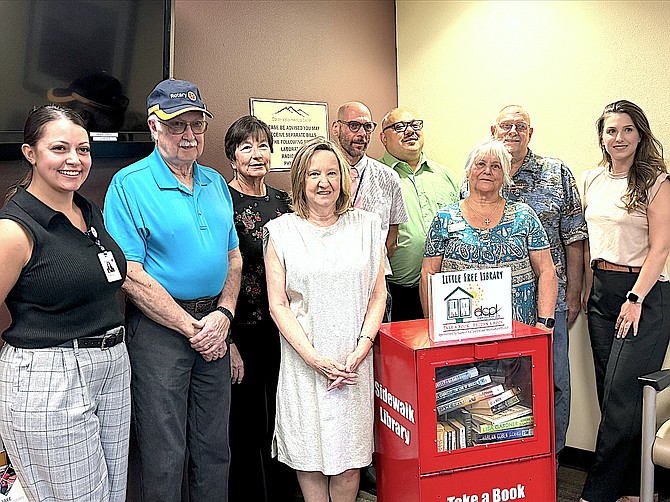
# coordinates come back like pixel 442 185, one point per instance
pixel 292 123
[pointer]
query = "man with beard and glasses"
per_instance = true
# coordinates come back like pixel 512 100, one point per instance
pixel 374 186
pixel 547 185
pixel 426 187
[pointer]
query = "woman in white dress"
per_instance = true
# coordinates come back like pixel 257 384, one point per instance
pixel 325 275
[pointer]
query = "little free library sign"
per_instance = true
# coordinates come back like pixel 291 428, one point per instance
pixel 470 303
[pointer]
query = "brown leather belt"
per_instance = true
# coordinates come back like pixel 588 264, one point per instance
pixel 199 305
pixel 613 267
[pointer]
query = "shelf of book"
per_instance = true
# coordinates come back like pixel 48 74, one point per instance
pixel 458 409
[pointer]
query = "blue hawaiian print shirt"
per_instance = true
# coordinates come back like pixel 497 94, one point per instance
pixel 548 186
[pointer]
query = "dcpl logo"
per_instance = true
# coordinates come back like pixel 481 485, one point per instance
pixel 487 311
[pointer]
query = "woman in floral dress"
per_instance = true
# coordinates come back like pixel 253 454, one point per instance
pixel 254 475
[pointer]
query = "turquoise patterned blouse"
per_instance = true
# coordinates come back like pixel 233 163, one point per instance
pixel 506 245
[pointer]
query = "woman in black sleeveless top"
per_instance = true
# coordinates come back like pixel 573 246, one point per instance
pixel 64 371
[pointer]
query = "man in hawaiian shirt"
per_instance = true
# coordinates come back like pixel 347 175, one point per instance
pixel 547 185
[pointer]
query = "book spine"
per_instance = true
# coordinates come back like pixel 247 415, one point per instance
pixel 440 437
pixel 491 437
pixel 501 397
pixel 457 377
pixel 512 424
pixel 495 400
pixel 459 428
pixel 471 398
pixel 456 390
pixel 505 404
pixel 463 416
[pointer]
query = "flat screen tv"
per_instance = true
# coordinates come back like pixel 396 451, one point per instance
pixel 100 57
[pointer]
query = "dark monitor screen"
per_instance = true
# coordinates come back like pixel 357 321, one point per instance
pixel 100 57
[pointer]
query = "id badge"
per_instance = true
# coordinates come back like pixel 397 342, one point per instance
pixel 109 266
pixel 456 226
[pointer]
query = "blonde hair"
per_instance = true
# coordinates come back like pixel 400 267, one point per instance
pixel 299 166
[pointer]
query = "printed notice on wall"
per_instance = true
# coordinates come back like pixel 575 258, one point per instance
pixel 292 123
pixel 470 303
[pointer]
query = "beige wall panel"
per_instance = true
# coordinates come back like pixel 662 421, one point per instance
pixel 460 62
pixel 295 50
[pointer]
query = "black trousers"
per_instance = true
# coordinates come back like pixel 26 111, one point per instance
pixel 254 474
pixel 406 304
pixel 618 362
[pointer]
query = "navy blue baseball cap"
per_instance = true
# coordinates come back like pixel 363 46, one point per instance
pixel 173 97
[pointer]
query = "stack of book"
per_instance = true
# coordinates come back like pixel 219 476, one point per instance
pixel 475 406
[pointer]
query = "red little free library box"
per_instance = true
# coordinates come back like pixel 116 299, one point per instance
pixel 466 421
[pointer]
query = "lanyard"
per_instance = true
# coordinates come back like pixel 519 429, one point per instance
pixel 93 235
pixel 358 187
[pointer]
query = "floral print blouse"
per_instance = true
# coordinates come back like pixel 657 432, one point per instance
pixel 251 212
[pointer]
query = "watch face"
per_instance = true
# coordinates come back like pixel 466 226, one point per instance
pixel 547 321
pixel 632 297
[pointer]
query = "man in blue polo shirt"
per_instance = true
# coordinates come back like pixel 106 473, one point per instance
pixel 173 219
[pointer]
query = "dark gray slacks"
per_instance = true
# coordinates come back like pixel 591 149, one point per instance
pixel 180 413
pixel 618 363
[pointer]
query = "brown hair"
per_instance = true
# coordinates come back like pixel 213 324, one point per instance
pixel 299 166
pixel 648 162
pixel 33 130
pixel 243 128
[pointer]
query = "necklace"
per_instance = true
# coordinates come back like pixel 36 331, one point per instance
pixel 487 218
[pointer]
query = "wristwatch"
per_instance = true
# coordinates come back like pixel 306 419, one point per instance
pixel 547 321
pixel 226 312
pixel 633 298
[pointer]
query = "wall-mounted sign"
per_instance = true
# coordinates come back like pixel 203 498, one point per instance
pixel 292 123
pixel 470 303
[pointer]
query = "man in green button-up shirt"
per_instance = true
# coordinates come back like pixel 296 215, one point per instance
pixel 426 187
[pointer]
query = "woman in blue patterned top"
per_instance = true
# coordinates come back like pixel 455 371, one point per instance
pixel 485 231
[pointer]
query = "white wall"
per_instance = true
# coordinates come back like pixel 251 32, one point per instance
pixel 460 62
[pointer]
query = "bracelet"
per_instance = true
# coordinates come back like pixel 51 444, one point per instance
pixel 226 312
pixel 365 336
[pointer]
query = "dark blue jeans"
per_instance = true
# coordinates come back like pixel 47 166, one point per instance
pixel 561 379
pixel 180 412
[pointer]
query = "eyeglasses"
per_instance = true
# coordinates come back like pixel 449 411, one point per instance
pixel 354 126
pixel 179 126
pixel 399 127
pixel 519 126
pixel 480 165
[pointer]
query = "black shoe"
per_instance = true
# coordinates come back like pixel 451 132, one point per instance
pixel 369 480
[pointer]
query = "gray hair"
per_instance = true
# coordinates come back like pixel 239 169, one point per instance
pixel 495 147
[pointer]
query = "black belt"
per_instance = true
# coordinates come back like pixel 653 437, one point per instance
pixel 199 305
pixel 102 342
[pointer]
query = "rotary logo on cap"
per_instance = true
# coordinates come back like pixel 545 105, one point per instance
pixel 173 97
